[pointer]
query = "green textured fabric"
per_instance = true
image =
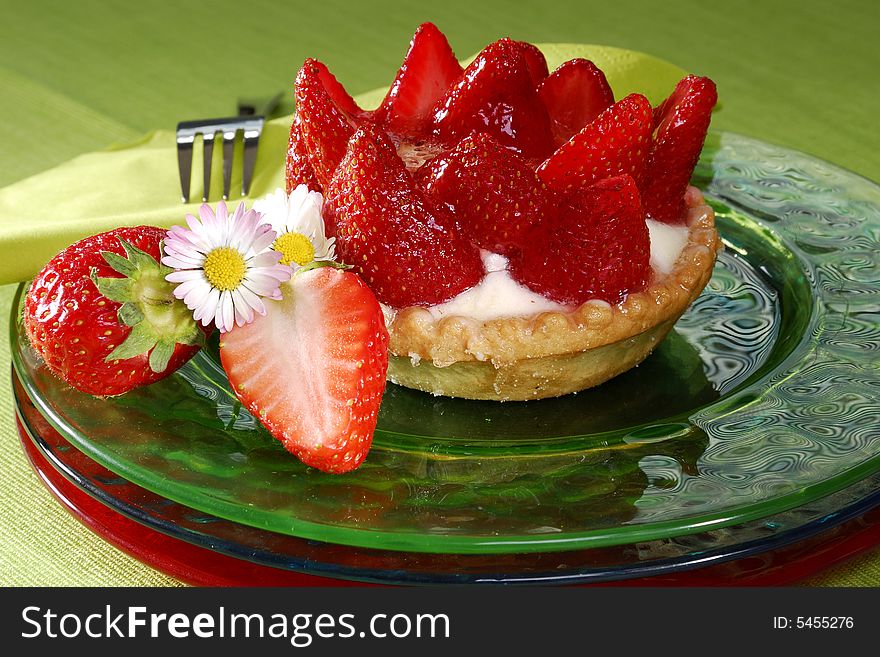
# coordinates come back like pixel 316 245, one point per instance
pixel 78 77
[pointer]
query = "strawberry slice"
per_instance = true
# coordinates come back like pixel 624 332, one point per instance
pixel 297 169
pixel 616 142
pixel 427 72
pixel 495 95
pixel 534 59
pixel 574 94
pixel 599 249
pixel 408 252
pixel 313 368
pixel 325 123
pixel 493 193
pixel 336 91
pixel 681 123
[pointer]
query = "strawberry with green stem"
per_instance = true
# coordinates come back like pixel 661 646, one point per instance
pixel 103 317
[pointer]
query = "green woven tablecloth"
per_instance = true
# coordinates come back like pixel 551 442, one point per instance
pixel 77 77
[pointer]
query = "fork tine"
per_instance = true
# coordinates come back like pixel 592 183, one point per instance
pixel 228 146
pixel 184 162
pixel 251 142
pixel 208 145
pixel 251 126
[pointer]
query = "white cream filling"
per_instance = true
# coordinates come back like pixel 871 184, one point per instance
pixel 666 244
pixel 498 295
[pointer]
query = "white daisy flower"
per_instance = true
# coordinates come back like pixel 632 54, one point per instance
pixel 297 221
pixel 224 265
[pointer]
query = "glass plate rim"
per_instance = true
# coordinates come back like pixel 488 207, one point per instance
pixel 691 561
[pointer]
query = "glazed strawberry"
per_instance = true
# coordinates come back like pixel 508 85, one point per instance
pixel 493 193
pixel 103 317
pixel 574 94
pixel 340 97
pixel 597 250
pixel 325 121
pixel 534 59
pixel 616 142
pixel 297 169
pixel 427 72
pixel 681 123
pixel 495 95
pixel 313 368
pixel 408 252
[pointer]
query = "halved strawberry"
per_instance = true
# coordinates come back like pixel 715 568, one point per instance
pixel 427 72
pixel 325 121
pixel 616 142
pixel 534 59
pixel 681 123
pixel 495 95
pixel 574 94
pixel 408 252
pixel 313 368
pixel 599 249
pixel 336 91
pixel 493 193
pixel 297 169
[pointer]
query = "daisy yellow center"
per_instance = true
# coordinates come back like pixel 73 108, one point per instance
pixel 225 268
pixel 294 247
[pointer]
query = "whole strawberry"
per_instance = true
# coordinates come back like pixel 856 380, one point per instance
pixel 103 317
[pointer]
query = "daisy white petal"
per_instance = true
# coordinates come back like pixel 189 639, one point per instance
pixel 222 212
pixel 179 234
pixel 263 239
pixel 193 258
pixel 184 275
pixel 197 296
pixel 262 281
pixel 227 311
pixel 241 227
pixel 178 263
pixel 244 314
pixel 198 225
pixel 239 307
pixel 273 210
pixel 252 300
pixel 266 259
pixel 206 310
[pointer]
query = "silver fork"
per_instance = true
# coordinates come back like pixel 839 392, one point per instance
pixel 250 120
pixel 250 126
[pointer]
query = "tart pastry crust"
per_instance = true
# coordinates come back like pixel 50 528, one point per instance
pixel 551 353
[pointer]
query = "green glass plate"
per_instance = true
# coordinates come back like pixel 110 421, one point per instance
pixel 763 398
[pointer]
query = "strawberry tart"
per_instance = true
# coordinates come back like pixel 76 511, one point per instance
pixel 490 232
pixel 526 235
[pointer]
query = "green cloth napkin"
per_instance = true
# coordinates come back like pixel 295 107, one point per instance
pixel 138 183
